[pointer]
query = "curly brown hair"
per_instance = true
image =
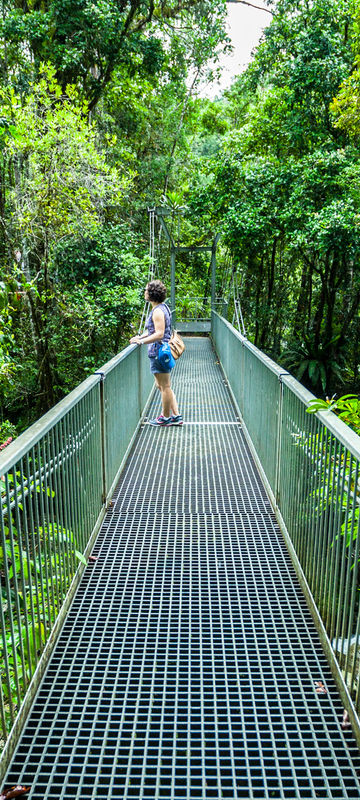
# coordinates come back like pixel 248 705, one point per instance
pixel 156 291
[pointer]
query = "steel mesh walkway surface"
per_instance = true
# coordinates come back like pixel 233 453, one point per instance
pixel 187 664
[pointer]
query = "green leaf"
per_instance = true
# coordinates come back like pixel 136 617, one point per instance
pixel 81 557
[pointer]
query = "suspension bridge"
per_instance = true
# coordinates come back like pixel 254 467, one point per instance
pixel 209 645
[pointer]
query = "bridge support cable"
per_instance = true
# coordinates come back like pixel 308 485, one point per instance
pixel 188 663
pixel 189 314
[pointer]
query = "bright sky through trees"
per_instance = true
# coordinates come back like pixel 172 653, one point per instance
pixel 245 26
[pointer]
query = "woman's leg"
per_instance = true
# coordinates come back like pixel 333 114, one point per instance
pixel 169 403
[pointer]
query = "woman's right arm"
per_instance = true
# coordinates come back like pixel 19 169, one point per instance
pixel 158 335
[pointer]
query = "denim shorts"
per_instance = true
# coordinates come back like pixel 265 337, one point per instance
pixel 156 367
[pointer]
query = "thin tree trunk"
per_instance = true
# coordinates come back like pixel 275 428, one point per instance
pixel 302 304
pixel 272 271
pixel 257 301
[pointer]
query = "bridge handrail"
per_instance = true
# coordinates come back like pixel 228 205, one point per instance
pixel 311 467
pixel 343 432
pixel 23 443
pixel 116 360
pixel 55 482
pixel 196 303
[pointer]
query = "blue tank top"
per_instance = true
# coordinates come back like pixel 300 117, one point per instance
pixel 153 347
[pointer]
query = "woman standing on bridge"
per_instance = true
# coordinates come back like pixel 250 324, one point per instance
pixel 158 326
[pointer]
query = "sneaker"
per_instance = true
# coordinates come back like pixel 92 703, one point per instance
pixel 161 421
pixel 177 420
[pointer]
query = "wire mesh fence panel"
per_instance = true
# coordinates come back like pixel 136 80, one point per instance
pixel 254 380
pixel 126 387
pixel 49 502
pixel 54 480
pixel 312 465
pixel 320 501
pixel 191 307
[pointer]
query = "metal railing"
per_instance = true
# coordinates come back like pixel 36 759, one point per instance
pixel 311 464
pixel 194 308
pixel 55 481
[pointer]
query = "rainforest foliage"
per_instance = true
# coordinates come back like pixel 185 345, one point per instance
pixel 101 117
pixel 94 101
pixel 285 188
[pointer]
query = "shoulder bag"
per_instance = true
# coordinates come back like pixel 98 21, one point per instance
pixel 176 343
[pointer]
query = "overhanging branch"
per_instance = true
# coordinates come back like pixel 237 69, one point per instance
pixel 245 3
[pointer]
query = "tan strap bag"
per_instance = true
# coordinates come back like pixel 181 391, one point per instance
pixel 176 343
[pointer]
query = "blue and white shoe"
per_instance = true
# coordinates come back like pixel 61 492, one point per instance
pixel 177 420
pixel 161 421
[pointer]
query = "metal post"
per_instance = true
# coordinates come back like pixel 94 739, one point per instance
pixel 213 276
pixel 103 435
pixel 139 382
pixel 278 443
pixel 213 271
pixel 172 294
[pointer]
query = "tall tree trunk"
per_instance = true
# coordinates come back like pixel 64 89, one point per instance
pixel 321 303
pixel 45 365
pixel 332 286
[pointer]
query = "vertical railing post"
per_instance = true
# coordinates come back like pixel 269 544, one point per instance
pixel 139 380
pixel 278 443
pixel 103 435
pixel 242 386
pixel 213 271
pixel 213 276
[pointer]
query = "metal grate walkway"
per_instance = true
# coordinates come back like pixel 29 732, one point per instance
pixel 187 663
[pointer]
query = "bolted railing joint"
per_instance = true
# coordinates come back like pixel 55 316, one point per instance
pixel 282 375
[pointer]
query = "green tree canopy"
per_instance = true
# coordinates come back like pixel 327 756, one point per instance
pixel 86 41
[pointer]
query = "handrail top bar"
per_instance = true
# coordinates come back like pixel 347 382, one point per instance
pixel 343 432
pixel 31 436
pixel 297 388
pixel 201 297
pixel 194 248
pixel 110 365
pixel 278 371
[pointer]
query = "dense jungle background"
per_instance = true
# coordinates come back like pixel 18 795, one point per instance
pixel 100 118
